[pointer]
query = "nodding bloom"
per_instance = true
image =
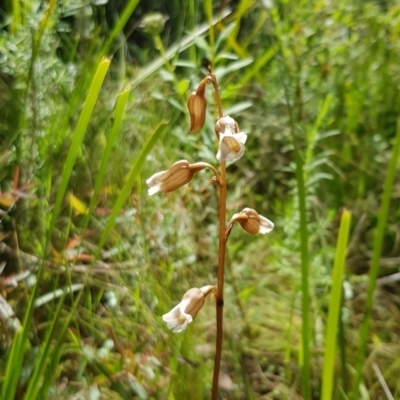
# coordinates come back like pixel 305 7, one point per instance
pixel 184 313
pixel 177 175
pixel 231 141
pixel 252 222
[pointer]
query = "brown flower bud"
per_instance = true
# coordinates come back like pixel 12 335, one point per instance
pixel 252 222
pixel 178 175
pixel 197 105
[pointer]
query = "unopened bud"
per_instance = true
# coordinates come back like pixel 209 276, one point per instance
pixel 197 105
pixel 178 175
pixel 153 23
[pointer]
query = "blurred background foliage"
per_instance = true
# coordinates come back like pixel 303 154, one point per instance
pixel 90 262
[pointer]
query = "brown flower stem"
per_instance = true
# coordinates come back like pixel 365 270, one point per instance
pixel 221 251
pixel 210 167
pixel 214 81
pixel 220 286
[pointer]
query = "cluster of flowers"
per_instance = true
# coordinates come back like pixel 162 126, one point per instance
pixel 231 148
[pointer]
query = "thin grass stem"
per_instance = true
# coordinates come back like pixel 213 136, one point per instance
pixel 334 307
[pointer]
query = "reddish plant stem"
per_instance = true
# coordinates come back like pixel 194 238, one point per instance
pixel 220 285
pixel 221 255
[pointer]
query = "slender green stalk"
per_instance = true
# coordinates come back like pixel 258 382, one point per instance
pixel 305 300
pixel 35 382
pixel 160 47
pixel 305 291
pixel 334 307
pixel 13 366
pixel 377 250
pixel 16 15
pixel 208 10
pixel 191 21
pixel 342 351
pixel 119 26
pixel 111 138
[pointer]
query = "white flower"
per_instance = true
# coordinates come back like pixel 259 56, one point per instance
pixel 184 313
pixel 231 141
pixel 231 146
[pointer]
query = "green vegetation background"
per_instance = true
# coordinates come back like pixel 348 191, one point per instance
pixel 93 102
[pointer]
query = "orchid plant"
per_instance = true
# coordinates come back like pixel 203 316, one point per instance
pixel 231 148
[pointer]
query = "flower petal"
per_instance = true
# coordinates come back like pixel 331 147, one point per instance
pixel 266 225
pixel 154 189
pixel 231 146
pixel 180 328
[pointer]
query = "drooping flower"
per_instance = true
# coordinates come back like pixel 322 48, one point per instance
pixel 184 313
pixel 177 175
pixel 231 140
pixel 197 105
pixel 251 222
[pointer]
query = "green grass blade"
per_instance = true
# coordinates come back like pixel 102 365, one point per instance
pixel 119 26
pixel 48 375
pixel 334 307
pixel 16 15
pixel 14 363
pixel 126 190
pixel 208 11
pixel 377 250
pixel 115 129
pixel 79 134
pixel 35 381
pixel 304 350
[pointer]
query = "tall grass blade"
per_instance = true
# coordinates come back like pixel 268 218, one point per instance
pixel 208 11
pixel 119 114
pixel 79 134
pixel 334 307
pixel 377 250
pixel 35 381
pixel 119 26
pixel 305 300
pixel 14 363
pixel 16 15
pixel 304 351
